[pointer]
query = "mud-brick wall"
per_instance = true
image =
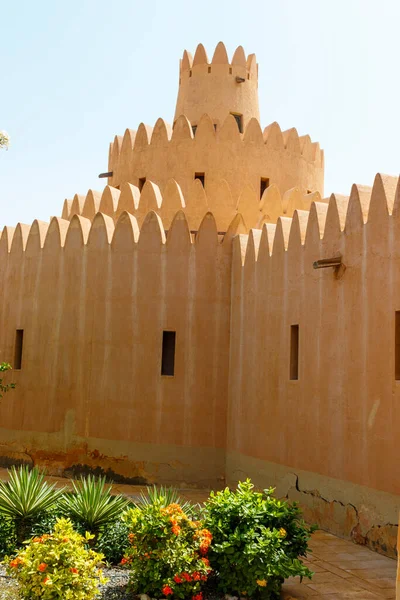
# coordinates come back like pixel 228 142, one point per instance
pixel 93 303
pixel 328 439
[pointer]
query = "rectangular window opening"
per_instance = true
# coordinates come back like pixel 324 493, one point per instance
pixel 230 70
pixel 397 346
pixel 239 121
pixel 294 352
pixel 19 340
pixel 264 183
pixel 142 181
pixel 194 127
pixel 209 69
pixel 168 353
pixel 201 177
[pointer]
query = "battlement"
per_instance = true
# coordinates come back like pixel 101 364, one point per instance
pixel 282 159
pixel 328 223
pixel 220 57
pixel 218 88
pixel 195 204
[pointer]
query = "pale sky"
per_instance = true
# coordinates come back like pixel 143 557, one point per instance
pixel 75 73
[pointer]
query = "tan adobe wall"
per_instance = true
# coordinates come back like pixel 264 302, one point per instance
pixel 113 202
pixel 93 303
pixel 241 160
pixel 218 87
pixel 329 438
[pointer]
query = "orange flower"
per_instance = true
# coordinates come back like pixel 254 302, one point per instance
pixel 46 579
pixel 204 577
pixel 131 537
pixel 65 540
pixel 206 561
pixel 177 579
pixel 167 591
pixel 176 529
pixel 42 567
pixel 196 576
pixel 124 561
pixel 73 570
pixel 187 576
pixel 198 596
pixel 16 562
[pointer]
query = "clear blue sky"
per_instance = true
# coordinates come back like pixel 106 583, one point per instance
pixel 75 73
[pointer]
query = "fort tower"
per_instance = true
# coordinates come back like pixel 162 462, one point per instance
pixel 218 87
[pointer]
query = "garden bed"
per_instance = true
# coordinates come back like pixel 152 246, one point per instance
pixel 160 547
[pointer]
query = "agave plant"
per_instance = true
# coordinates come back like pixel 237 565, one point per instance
pixel 25 496
pixel 92 503
pixel 166 496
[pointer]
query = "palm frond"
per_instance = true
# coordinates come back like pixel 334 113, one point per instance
pixel 26 494
pixel 165 496
pixel 92 502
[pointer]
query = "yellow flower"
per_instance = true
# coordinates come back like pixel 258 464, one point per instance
pixel 262 582
pixel 282 532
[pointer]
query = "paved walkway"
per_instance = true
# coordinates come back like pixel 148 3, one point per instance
pixel 343 570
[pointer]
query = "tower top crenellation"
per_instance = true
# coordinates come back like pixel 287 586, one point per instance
pixel 218 87
pixel 220 57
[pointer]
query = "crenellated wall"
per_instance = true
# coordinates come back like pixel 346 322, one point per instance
pixel 93 302
pixel 93 295
pixel 195 204
pixel 161 154
pixel 329 438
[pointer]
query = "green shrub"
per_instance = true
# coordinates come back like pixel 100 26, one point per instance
pixel 5 387
pixel 168 551
pixel 26 496
pixel 92 504
pixel 165 496
pixel 58 566
pixel 113 541
pixel 257 540
pixel 8 537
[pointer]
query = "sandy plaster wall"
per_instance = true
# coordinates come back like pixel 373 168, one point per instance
pixel 93 315
pixel 341 418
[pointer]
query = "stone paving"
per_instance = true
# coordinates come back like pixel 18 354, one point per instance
pixel 343 570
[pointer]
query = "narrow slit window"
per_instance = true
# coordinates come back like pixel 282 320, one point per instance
pixel 19 340
pixel 264 183
pixel 397 346
pixel 309 192
pixel 194 128
pixel 168 353
pixel 142 181
pixel 230 70
pixel 239 120
pixel 201 177
pixel 294 352
pixel 209 69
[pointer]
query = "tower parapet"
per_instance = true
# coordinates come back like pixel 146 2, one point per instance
pixel 218 87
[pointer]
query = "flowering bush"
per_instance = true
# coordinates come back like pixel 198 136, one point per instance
pixel 168 551
pixel 256 541
pixel 4 139
pixel 58 565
